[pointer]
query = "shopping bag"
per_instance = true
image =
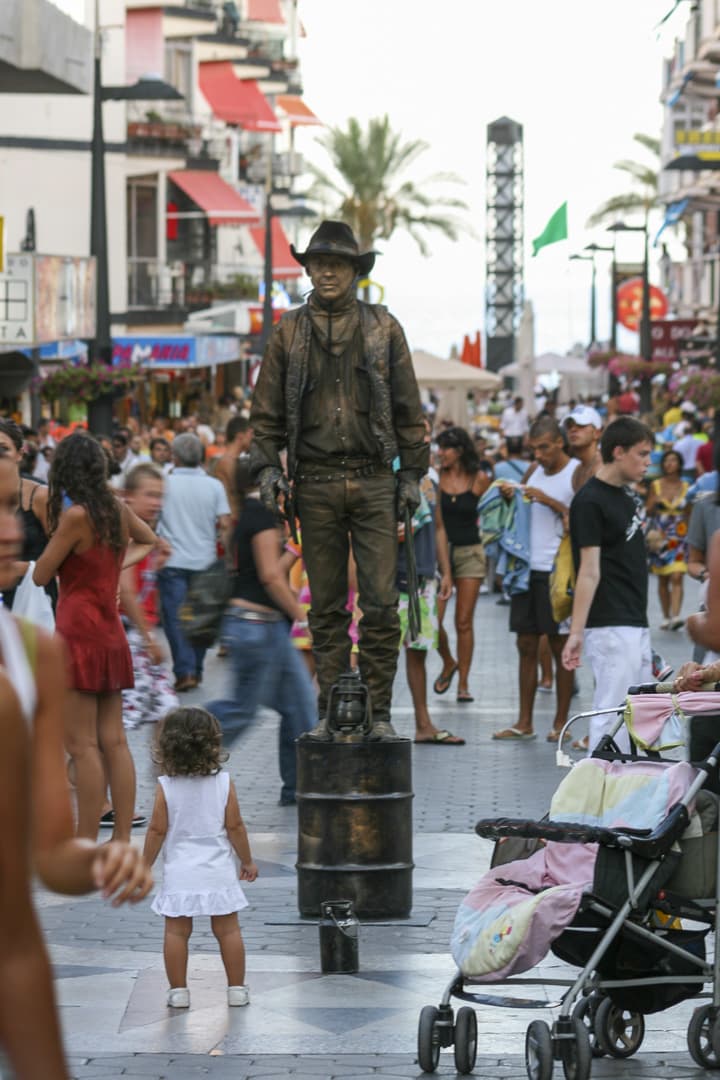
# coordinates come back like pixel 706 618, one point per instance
pixel 31 602
pixel 562 581
pixel 201 614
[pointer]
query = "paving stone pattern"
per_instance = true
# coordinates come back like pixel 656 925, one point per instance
pixel 108 963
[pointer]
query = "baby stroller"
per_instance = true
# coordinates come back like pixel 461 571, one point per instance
pixel 601 882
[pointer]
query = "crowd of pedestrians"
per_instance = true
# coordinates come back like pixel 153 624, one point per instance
pixel 112 533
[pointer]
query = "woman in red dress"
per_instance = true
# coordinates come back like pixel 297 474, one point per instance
pixel 89 533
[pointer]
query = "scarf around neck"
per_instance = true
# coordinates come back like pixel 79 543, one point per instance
pixel 335 325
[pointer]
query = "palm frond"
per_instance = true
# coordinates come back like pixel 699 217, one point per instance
pixel 628 203
pixel 644 175
pixel 650 142
pixel 369 193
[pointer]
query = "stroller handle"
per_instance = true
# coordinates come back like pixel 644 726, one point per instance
pixel 651 688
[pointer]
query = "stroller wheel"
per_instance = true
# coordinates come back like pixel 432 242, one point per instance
pixel 575 1053
pixel 619 1032
pixel 586 1011
pixel 702 1037
pixel 428 1039
pixel 465 1041
pixel 539 1051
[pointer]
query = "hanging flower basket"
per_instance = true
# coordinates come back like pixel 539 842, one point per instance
pixel 87 382
pixel 634 367
pixel 699 385
pixel 601 357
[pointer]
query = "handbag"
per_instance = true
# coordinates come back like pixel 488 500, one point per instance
pixel 562 581
pixel 201 613
pixel 31 602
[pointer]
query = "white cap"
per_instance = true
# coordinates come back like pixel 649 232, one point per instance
pixel 688 407
pixel 582 415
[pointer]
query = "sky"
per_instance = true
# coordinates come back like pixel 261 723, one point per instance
pixel 581 77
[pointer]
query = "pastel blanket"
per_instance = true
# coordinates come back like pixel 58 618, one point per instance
pixel 508 921
pixel 659 721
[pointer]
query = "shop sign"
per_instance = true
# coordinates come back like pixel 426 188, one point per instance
pixel 165 351
pixel 65 292
pixel 705 143
pixel 630 299
pixel 17 302
pixel 206 350
pixel 212 350
pixel 668 337
pixel 46 298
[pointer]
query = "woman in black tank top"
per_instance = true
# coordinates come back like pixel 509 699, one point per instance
pixel 462 482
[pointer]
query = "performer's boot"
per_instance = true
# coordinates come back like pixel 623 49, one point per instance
pixel 320 733
pixel 382 729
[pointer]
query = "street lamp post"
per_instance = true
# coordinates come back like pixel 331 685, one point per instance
pixel 593 249
pixel 296 211
pixel 267 323
pixel 145 89
pixel 99 410
pixel 593 302
pixel 644 328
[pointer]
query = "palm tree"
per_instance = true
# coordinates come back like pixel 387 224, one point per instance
pixel 368 194
pixel 646 176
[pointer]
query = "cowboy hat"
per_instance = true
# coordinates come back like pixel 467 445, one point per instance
pixel 336 238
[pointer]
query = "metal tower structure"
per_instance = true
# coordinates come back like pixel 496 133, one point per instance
pixel 504 257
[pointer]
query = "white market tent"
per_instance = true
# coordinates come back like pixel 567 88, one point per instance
pixel 452 381
pixel 437 374
pixel 575 376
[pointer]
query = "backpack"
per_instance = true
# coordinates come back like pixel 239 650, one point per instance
pixel 562 581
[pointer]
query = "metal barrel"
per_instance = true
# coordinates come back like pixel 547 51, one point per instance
pixel 355 826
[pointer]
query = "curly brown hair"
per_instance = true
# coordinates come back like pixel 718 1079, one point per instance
pixel 189 743
pixel 79 471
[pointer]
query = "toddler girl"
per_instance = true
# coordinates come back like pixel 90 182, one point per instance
pixel 196 820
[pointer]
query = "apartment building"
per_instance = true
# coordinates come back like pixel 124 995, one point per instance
pixel 690 165
pixel 186 179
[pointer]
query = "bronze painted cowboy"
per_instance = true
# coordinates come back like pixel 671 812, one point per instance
pixel 337 391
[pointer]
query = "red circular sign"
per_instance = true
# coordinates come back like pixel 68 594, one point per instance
pixel 629 303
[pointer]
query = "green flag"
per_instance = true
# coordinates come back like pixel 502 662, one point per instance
pixel 556 229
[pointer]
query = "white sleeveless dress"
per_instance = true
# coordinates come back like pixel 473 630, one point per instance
pixel 17 666
pixel 200 874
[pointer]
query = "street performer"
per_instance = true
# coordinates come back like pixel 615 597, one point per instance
pixel 337 390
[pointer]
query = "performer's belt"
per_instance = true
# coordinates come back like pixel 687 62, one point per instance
pixel 342 469
pixel 248 615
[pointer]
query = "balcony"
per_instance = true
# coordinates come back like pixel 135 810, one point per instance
pixel 163 137
pixel 155 285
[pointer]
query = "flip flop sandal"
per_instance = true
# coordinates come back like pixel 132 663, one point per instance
pixel 441 738
pixel 553 736
pixel 513 734
pixel 464 698
pixel 581 744
pixel 443 683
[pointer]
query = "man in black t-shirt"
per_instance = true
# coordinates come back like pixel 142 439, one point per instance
pixel 609 615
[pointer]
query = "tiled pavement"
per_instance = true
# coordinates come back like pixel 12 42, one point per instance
pixel 108 963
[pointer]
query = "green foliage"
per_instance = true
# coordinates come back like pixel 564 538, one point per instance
pixel 369 194
pixel 632 201
pixel 238 287
pixel 87 382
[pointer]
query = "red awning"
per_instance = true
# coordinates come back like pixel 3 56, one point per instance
pixel 236 101
pixel 267 11
pixel 221 203
pixel 284 266
pixel 296 110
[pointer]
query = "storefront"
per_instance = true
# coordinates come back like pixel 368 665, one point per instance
pixel 186 373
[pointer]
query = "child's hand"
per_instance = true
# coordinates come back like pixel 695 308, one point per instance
pixel 155 652
pixel 120 869
pixel 248 871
